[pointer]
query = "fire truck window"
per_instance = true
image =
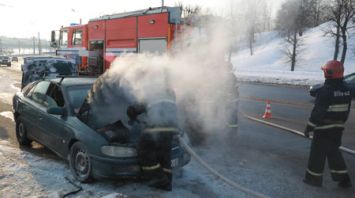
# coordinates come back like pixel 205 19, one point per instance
pixel 77 37
pixel 64 38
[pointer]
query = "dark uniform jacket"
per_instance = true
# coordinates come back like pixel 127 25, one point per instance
pixel 332 106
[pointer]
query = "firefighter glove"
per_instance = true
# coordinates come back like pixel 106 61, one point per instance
pixel 308 130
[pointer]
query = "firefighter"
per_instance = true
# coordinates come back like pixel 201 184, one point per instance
pixel 330 112
pixel 154 151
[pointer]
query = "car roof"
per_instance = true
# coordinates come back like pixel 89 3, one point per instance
pixel 74 81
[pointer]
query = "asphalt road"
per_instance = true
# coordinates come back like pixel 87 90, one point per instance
pixel 290 105
pixel 262 158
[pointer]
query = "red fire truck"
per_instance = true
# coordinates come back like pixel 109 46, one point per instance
pixel 95 45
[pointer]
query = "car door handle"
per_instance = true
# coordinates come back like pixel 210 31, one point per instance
pixel 40 119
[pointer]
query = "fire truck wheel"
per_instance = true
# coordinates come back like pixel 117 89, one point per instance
pixel 80 163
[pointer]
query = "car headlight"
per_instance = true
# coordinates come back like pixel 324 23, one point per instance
pixel 119 151
pixel 311 87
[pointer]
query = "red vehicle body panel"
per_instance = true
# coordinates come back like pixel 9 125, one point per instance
pixel 96 30
pixel 116 35
pixel 153 26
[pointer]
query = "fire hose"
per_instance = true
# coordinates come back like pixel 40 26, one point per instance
pixel 218 175
pixel 78 188
pixel 347 150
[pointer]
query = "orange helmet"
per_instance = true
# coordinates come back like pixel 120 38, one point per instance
pixel 333 69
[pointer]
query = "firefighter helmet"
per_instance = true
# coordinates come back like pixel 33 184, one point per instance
pixel 333 69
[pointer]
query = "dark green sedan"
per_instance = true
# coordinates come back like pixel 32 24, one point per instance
pixel 46 111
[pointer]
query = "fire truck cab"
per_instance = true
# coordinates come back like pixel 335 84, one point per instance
pixel 95 45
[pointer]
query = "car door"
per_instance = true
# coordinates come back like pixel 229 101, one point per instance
pixel 55 126
pixel 33 110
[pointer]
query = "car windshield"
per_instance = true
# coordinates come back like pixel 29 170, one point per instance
pixel 76 96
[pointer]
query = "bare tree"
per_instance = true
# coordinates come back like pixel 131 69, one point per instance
pixel 265 13
pixel 342 12
pixel 252 20
pixel 315 12
pixel 291 23
pixel 292 51
pixel 189 10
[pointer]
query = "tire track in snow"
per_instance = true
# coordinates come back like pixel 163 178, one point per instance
pixel 13 86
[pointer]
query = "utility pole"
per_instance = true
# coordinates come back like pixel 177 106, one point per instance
pixel 19 47
pixel 0 47
pixel 162 5
pixel 34 45
pixel 39 45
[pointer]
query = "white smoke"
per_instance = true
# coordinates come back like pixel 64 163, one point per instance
pixel 196 71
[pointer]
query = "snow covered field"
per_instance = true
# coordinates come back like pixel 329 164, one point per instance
pixel 269 63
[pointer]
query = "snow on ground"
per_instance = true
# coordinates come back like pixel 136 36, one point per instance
pixel 269 63
pixel 6 97
pixel 36 172
pixel 7 114
pixel 17 65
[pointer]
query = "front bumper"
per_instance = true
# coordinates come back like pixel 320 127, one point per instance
pixel 106 167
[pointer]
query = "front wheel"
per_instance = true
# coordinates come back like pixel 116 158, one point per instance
pixel 21 133
pixel 80 163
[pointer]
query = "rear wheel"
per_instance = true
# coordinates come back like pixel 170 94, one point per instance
pixel 21 133
pixel 80 163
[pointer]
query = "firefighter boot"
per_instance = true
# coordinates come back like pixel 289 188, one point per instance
pixel 169 175
pixel 160 181
pixel 345 183
pixel 313 180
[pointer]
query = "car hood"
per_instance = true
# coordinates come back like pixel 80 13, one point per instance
pixel 109 99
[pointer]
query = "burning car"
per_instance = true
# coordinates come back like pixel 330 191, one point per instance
pixel 60 113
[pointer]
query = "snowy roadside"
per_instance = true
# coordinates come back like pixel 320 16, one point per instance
pixel 300 78
pixel 269 64
pixel 31 173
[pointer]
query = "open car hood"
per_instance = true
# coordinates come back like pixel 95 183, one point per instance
pixel 105 108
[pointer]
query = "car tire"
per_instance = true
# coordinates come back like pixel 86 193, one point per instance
pixel 80 163
pixel 21 134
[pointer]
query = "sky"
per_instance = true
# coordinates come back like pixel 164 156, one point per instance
pixel 27 18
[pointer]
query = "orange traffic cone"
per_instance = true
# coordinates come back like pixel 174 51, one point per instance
pixel 267 114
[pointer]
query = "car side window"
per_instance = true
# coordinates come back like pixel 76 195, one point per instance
pixel 28 89
pixel 54 96
pixel 39 92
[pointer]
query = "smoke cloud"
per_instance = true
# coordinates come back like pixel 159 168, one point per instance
pixel 193 84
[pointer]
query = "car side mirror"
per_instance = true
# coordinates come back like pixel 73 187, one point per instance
pixel 56 111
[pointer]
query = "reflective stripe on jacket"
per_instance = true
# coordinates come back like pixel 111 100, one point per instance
pixel 332 106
